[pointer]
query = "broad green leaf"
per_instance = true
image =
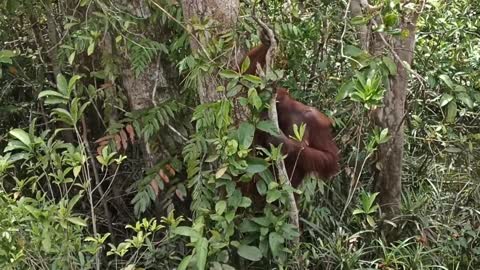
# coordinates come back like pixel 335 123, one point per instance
pixel 229 74
pixel 445 99
pixel 48 93
pixel 465 99
pixel 392 67
pixel 71 58
pixel 256 165
pixel 273 195
pixel 276 242
pixel 245 64
pixel 268 126
pixel 246 202
pixel 358 212
pixel 63 115
pixel 22 136
pixel 184 263
pixel 353 51
pixel 220 207
pixel 72 81
pixel 220 172
pixel 451 111
pixel 262 187
pixel 234 90
pixel 91 48
pixel 250 253
pixel 77 221
pixel 62 84
pixel 201 252
pixel 344 90
pixel 254 99
pixel 245 134
pixel 263 221
pixel 253 79
pixel 7 54
pixel 186 231
pixel 248 226
pixel 447 81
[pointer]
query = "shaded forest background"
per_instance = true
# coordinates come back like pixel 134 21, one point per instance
pixel 125 127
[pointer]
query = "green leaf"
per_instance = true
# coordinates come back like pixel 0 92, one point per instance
pixel 234 90
pixel 357 212
pixel 22 136
pixel 269 127
pixel 63 115
pixel 254 99
pixel 248 226
pixel 353 51
pixel 273 195
pixel 253 79
pixel 451 111
pixel 77 221
pixel 71 58
pixel 220 172
pixel 48 93
pixel 201 252
pixel 245 64
pixel 186 231
pixel 220 207
pixel 245 134
pixel 91 48
pixel 445 99
pixel 256 165
pixel 246 202
pixel 392 67
pixel 447 81
pixel 185 262
pixel 6 56
pixel 276 243
pixel 250 253
pixel 62 84
pixel 345 90
pixel 72 81
pixel 465 99
pixel 229 74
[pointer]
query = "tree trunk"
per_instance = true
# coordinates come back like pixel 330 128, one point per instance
pixel 388 180
pixel 225 13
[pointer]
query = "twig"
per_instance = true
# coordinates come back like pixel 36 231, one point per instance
pixel 282 171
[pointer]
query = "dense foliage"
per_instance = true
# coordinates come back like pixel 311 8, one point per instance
pixel 109 161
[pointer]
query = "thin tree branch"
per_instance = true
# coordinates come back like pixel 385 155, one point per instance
pixel 282 171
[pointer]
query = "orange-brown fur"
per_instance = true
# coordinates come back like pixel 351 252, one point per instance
pixel 317 153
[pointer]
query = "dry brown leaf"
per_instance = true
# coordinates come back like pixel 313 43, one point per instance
pixel 179 195
pixel 123 135
pixel 131 133
pixel 170 169
pixel 164 177
pixel 118 141
pixel 104 138
pixel 155 186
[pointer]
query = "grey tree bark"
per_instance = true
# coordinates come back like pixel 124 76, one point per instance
pixel 388 178
pixel 225 13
